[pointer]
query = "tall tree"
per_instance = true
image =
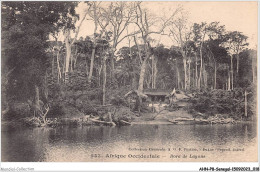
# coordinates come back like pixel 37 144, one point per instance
pixel 69 24
pixel 93 13
pixel 144 23
pixel 181 35
pixel 202 32
pixel 25 32
pixel 119 15
pixel 235 43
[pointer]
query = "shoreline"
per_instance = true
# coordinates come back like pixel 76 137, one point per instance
pixel 78 122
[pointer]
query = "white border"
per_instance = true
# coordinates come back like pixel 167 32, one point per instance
pixel 105 166
pixel 147 166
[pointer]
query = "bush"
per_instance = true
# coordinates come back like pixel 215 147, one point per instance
pixel 231 102
pixel 56 110
pixel 17 111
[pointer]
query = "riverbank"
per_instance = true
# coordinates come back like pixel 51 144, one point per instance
pixel 186 110
pixel 165 117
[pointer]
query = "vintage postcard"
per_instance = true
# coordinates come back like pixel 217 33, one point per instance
pixel 128 81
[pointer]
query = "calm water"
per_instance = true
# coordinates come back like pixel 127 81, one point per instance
pixel 79 143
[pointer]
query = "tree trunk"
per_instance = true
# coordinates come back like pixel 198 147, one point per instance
pixel 63 68
pixel 155 72
pixel 143 65
pixel 94 42
pixel 37 97
pixel 52 65
pixel 215 77
pixel 245 103
pixel 99 75
pixel 36 103
pixel 201 60
pixel 185 72
pixel 71 63
pixel 68 53
pixel 201 66
pixel 104 81
pixel 91 64
pixel 112 64
pixel 196 72
pixel 152 71
pixel 253 70
pixel 87 69
pixel 178 76
pixel 142 74
pixel 58 66
pixel 148 81
pixel 237 64
pixel 45 86
pixel 75 61
pixel 232 73
pixel 229 81
pixel 189 76
pixel 205 77
pixel 177 82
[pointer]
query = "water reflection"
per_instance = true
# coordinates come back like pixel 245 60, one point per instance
pixel 78 143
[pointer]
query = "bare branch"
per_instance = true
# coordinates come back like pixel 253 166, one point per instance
pixel 131 34
pixel 77 32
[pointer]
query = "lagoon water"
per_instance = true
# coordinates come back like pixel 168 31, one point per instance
pixel 130 143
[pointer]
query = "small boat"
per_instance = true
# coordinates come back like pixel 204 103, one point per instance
pixel 173 121
pixel 202 121
pixel 183 121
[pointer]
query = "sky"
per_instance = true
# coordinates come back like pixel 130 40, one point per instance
pixel 235 15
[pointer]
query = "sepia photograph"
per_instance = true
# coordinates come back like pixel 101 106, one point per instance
pixel 129 81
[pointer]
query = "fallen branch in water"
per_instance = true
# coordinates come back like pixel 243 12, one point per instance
pixel 124 122
pixel 103 122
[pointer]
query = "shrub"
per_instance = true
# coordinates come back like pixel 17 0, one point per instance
pixel 231 102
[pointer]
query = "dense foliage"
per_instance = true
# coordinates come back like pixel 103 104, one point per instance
pixel 76 75
pixel 228 103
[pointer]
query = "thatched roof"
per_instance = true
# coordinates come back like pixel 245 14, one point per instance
pixel 138 93
pixel 179 94
pixel 156 92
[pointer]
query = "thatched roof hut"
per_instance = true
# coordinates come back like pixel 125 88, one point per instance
pixel 135 92
pixel 157 94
